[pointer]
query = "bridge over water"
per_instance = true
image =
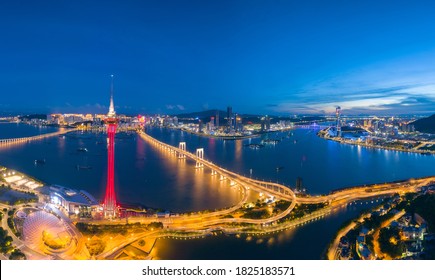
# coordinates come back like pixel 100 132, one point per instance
pixel 274 189
pixel 4 142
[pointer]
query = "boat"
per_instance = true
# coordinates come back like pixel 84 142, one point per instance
pixel 82 150
pixel 255 146
pixel 270 141
pixel 39 161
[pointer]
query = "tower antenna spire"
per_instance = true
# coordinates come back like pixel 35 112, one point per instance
pixel 112 112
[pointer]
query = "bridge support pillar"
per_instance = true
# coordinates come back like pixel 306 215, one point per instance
pixel 200 155
pixel 182 146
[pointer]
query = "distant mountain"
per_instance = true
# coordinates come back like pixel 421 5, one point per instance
pixel 425 125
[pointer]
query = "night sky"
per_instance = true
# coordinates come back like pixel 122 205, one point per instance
pixel 280 57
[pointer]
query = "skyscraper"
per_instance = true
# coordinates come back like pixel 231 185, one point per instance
pixel 238 125
pixel 110 208
pixel 229 117
pixel 299 184
pixel 267 123
pixel 338 113
pixel 200 126
pixel 217 119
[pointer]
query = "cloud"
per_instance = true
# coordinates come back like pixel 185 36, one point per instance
pixel 180 107
pixel 401 87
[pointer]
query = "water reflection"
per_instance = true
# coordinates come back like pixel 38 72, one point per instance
pixel 323 165
pixel 305 242
pixel 145 174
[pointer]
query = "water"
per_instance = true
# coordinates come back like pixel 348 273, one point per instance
pixel 307 242
pixel 143 175
pixel 323 165
pixel 152 177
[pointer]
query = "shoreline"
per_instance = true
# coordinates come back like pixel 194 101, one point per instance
pixel 256 135
pixel 376 146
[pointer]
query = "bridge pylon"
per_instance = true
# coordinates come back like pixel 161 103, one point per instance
pixel 182 146
pixel 200 155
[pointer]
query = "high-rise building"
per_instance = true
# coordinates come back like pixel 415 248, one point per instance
pixel 200 126
pixel 110 207
pixel 267 123
pixel 299 184
pixel 263 124
pixel 217 119
pixel 229 117
pixel 338 126
pixel 210 124
pixel 238 123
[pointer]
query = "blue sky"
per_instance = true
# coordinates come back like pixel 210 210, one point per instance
pixel 280 57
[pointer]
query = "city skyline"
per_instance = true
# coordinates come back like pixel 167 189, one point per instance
pixel 280 58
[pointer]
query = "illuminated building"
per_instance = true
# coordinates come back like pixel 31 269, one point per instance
pixel 217 119
pixel 338 113
pixel 200 126
pixel 238 123
pixel 229 117
pixel 72 201
pixel 111 122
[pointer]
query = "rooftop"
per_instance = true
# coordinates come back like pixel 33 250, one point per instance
pixel 71 195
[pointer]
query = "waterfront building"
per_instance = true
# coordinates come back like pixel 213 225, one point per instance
pixel 200 126
pixel 267 123
pixel 70 200
pixel 338 125
pixel 229 117
pixel 217 119
pixel 238 124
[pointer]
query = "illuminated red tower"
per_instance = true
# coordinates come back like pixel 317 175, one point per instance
pixel 110 209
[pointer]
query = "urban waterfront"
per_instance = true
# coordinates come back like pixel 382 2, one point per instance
pixel 151 177
pixel 308 242
pixel 323 165
pixel 217 139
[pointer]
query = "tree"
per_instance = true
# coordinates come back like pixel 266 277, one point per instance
pixel 17 255
pixel 390 242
